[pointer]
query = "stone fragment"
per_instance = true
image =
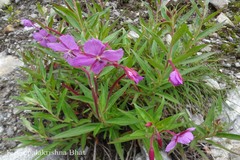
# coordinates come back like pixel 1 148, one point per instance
pixel 4 2
pixel 8 29
pixel 219 4
pixel 222 18
pixel 8 64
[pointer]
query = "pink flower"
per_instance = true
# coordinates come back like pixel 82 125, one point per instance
pixel 175 77
pixel 151 153
pixel 184 137
pixel 27 23
pixel 43 37
pixel 68 46
pixel 133 75
pixel 96 56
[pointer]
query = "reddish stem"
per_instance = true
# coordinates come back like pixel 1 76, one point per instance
pixel 170 62
pixel 171 132
pixel 111 89
pixel 94 94
pixel 53 30
pixel 70 89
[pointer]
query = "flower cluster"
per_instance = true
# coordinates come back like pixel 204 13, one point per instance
pixel 93 53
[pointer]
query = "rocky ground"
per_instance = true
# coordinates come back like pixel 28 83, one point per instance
pixel 14 37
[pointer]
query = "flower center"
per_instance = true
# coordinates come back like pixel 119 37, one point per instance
pixel 98 58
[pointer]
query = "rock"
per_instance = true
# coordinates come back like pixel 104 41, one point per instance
pixel 237 75
pixel 8 64
pixel 4 2
pixel 208 48
pixel 222 18
pixel 219 4
pixel 10 132
pixel 168 39
pixel 212 83
pixel 133 35
pixel 1 129
pixel 16 1
pixel 8 29
pixel 237 64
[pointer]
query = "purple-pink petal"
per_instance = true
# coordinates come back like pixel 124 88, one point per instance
pixel 51 38
pixel 43 42
pixel 112 55
pixel 171 145
pixel 185 138
pixel 43 32
pixel 37 36
pixel 190 129
pixel 94 47
pixel 57 47
pixel 69 42
pixel 98 66
pixel 175 78
pixel 27 23
pixel 82 60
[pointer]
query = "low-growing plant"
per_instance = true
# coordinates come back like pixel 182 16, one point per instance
pixel 89 82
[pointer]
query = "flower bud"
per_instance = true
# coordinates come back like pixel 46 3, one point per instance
pixel 151 153
pixel 148 124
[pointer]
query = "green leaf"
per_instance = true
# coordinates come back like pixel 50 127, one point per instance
pixel 112 36
pixel 157 39
pixel 189 53
pixel 197 58
pixel 209 31
pixel 145 116
pixel 169 123
pixel 61 101
pixel 82 99
pixel 116 96
pixel 122 121
pixel 228 136
pixel 139 134
pixel 145 66
pixel 179 33
pixel 42 99
pixel 78 131
pixel 28 125
pixel 68 16
pixel 158 112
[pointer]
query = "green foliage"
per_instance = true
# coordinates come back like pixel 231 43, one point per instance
pixel 63 112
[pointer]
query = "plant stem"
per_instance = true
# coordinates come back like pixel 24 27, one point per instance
pixel 111 89
pixel 94 94
pixel 70 89
pixel 53 30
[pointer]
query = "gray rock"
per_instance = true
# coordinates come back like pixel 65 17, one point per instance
pixel 222 18
pixel 8 64
pixel 237 64
pixel 219 4
pixel 10 132
pixel 238 76
pixel 4 2
pixel 1 129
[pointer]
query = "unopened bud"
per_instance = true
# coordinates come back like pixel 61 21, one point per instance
pixel 151 153
pixel 148 124
pixel 169 14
